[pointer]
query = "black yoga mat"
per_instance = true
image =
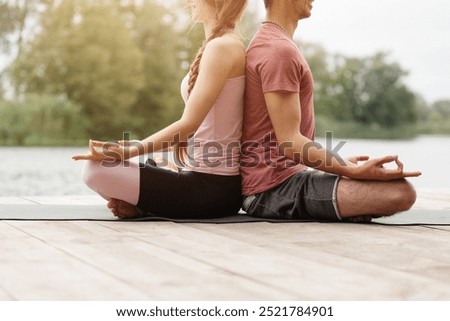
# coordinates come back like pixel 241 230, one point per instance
pixel 37 212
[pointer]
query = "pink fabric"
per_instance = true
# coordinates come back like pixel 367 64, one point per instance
pixel 215 147
pixel 119 180
pixel 274 64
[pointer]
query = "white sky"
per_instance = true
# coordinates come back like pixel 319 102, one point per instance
pixel 415 32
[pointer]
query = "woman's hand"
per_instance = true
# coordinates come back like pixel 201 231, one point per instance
pixel 109 151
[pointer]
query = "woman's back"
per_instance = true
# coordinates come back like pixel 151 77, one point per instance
pixel 214 148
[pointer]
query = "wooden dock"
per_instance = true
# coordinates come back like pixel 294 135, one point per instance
pixel 81 261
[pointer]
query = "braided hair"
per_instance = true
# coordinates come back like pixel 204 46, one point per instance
pixel 227 13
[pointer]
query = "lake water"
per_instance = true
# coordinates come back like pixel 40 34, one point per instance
pixel 51 171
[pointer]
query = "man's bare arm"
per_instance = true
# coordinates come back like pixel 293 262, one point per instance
pixel 284 110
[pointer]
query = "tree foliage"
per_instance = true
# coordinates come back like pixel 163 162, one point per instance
pixel 85 52
pixel 440 110
pixel 368 91
pixel 41 119
pixel 121 62
pixel 8 21
pixel 166 54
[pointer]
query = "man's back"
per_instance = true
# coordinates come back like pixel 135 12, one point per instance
pixel 274 64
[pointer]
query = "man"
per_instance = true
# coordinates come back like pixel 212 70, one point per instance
pixel 278 134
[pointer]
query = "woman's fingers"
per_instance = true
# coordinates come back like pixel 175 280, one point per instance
pixel 96 143
pixel 82 157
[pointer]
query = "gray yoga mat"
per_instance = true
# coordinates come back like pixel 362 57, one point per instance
pixel 100 213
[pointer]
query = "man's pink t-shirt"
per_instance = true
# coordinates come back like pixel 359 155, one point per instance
pixel 274 64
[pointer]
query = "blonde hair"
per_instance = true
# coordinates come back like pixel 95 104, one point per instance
pixel 227 13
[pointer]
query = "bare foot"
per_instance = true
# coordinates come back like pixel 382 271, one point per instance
pixel 123 210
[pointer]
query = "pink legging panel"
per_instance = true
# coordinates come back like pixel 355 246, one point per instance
pixel 119 180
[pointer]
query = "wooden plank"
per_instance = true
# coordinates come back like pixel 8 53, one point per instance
pixel 163 273
pixel 445 228
pixel 374 249
pixel 258 251
pixel 13 200
pixel 415 250
pixel 66 200
pixel 432 200
pixel 30 269
pixel 4 296
pixel 258 261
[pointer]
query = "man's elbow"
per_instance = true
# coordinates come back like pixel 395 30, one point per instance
pixel 287 150
pixel 302 152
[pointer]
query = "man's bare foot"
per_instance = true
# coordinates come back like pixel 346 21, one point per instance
pixel 123 210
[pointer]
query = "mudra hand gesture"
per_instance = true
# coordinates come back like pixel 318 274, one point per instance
pixel 110 151
pixel 373 169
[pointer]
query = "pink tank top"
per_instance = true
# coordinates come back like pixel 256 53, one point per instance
pixel 215 146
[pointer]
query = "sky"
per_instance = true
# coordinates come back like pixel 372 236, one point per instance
pixel 416 33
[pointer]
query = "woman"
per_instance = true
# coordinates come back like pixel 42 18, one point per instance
pixel 209 183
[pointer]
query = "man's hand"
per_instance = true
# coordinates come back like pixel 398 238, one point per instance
pixel 374 169
pixel 354 160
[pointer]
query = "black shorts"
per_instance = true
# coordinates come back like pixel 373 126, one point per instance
pixel 187 194
pixel 307 195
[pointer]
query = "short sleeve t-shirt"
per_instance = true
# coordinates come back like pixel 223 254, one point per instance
pixel 274 64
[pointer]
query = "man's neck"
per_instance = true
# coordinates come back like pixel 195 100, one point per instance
pixel 289 25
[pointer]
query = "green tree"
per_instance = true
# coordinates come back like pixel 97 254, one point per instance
pixel 7 25
pixel 369 91
pixel 41 120
pixel 8 15
pixel 17 18
pixel 435 118
pixel 85 52
pixel 324 87
pixel 161 43
pixel 441 110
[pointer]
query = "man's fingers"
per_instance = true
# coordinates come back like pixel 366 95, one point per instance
pixel 356 159
pixel 384 160
pixel 397 173
pixel 362 158
pixel 412 174
pixel 399 165
pixel 391 174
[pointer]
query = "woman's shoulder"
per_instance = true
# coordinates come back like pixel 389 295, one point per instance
pixel 226 45
pixel 228 52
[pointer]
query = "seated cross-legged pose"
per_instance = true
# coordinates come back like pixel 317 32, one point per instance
pixel 278 139
pixel 209 183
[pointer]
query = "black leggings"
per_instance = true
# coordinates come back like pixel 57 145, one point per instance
pixel 187 194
